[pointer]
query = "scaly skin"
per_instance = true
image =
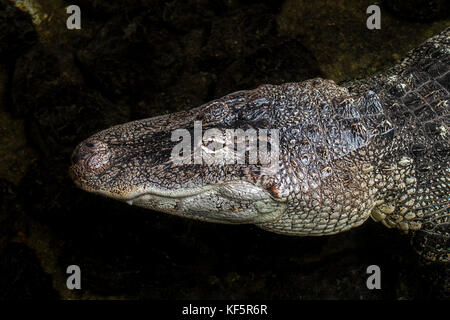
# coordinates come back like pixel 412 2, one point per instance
pixel 374 147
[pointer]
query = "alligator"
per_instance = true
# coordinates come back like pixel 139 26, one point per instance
pixel 375 147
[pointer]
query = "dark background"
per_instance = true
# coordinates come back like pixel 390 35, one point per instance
pixel 138 59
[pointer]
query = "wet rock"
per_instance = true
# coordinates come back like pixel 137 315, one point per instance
pixel 17 34
pixel 173 61
pixel 50 93
pixel 241 32
pixel 288 61
pixel 22 277
pixel 418 10
pixel 10 213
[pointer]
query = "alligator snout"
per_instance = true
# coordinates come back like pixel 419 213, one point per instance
pixel 89 158
pixel 92 154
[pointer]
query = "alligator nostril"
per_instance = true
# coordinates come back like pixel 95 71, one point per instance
pixel 93 155
pixel 95 145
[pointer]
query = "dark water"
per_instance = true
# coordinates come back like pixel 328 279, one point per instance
pixel 137 59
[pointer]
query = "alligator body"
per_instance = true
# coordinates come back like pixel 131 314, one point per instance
pixel 377 147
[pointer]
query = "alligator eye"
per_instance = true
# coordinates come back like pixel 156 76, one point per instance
pixel 418 149
pixel 424 168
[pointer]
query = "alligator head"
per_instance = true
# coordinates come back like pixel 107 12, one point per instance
pixel 180 163
pixel 252 156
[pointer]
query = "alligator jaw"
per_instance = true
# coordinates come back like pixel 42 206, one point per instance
pixel 237 202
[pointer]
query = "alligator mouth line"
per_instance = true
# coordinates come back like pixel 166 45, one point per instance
pixel 172 194
pixel 247 191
